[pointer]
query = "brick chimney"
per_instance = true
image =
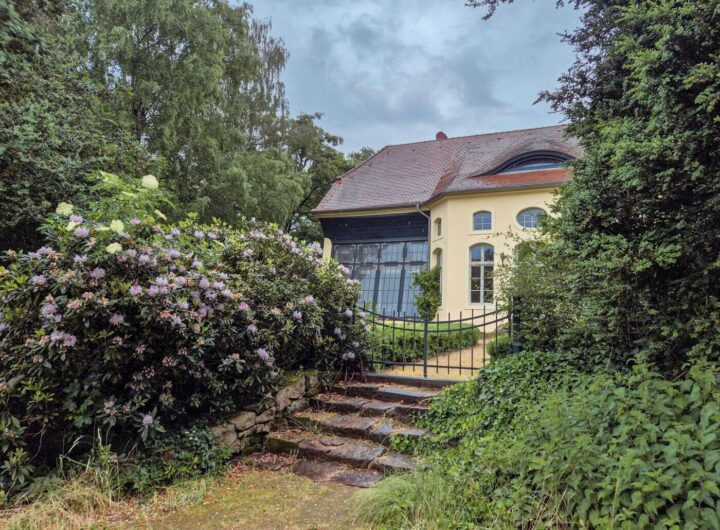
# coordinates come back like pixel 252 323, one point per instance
pixel 440 136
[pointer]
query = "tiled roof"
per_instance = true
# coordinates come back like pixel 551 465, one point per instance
pixel 408 174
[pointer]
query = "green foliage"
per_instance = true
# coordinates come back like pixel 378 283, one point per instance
pixel 635 234
pixel 198 82
pixel 429 298
pixel 590 451
pixel 132 327
pixel 493 400
pixel 181 455
pixel 405 342
pixel 499 346
pixel 54 128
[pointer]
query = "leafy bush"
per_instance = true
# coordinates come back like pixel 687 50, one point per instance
pixel 493 400
pixel 127 326
pixel 429 298
pixel 184 454
pixel 606 451
pixel 406 342
pixel 499 346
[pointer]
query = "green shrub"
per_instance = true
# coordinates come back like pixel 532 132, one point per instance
pixel 184 454
pixel 406 342
pixel 606 451
pixel 429 298
pixel 130 327
pixel 493 400
pixel 499 346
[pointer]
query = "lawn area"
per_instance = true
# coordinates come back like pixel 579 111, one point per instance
pixel 250 499
pixel 244 497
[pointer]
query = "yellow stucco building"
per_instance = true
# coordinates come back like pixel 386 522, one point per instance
pixel 461 203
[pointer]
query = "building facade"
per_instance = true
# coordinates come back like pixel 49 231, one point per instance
pixel 460 203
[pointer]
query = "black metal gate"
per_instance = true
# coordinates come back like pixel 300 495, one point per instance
pixel 447 347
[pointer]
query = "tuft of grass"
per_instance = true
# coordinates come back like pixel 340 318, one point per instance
pixel 73 505
pixel 180 495
pixel 422 500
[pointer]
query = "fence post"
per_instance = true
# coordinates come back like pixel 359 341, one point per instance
pixel 516 333
pixel 425 346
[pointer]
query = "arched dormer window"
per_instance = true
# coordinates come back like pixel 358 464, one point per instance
pixel 482 221
pixel 533 162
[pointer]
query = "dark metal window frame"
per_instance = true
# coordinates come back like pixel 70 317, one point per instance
pixel 379 264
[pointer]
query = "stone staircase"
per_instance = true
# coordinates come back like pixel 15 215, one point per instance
pixel 345 434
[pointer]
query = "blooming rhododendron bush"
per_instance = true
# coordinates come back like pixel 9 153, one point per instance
pixel 125 327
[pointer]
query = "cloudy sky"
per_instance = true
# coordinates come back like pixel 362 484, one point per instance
pixel 393 71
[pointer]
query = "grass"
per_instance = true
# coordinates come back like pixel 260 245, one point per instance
pixel 71 505
pixel 244 498
pixel 415 501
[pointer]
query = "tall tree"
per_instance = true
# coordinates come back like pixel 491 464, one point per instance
pixel 640 219
pixel 317 158
pixel 54 128
pixel 198 83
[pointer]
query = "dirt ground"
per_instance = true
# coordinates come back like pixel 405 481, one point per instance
pixel 476 357
pixel 251 499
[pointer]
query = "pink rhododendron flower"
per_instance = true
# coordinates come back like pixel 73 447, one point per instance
pixel 81 232
pixel 117 319
pixel 97 273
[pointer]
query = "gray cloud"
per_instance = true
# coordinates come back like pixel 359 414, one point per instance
pixel 386 72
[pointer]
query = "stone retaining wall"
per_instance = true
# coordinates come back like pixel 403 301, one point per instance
pixel 246 431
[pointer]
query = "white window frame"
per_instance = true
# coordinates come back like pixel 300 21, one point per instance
pixel 483 265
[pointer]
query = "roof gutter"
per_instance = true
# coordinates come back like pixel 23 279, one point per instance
pixel 417 208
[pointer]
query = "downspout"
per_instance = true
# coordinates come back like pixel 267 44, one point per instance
pixel 417 208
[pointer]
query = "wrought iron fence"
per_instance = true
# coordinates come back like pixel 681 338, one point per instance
pixel 411 345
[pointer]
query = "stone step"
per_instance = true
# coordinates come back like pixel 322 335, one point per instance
pixel 379 429
pixel 384 392
pixel 405 380
pixel 356 453
pixel 364 406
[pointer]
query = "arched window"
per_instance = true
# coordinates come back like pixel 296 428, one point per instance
pixel 533 162
pixel 482 221
pixel 482 261
pixel 530 217
pixel 438 227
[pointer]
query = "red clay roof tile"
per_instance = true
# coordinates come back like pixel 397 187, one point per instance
pixel 409 174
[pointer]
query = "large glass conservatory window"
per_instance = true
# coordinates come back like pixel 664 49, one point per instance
pixel 385 272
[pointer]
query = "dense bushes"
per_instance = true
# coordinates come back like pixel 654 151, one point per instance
pixel 492 400
pixel 403 341
pixel 127 327
pixel 600 451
